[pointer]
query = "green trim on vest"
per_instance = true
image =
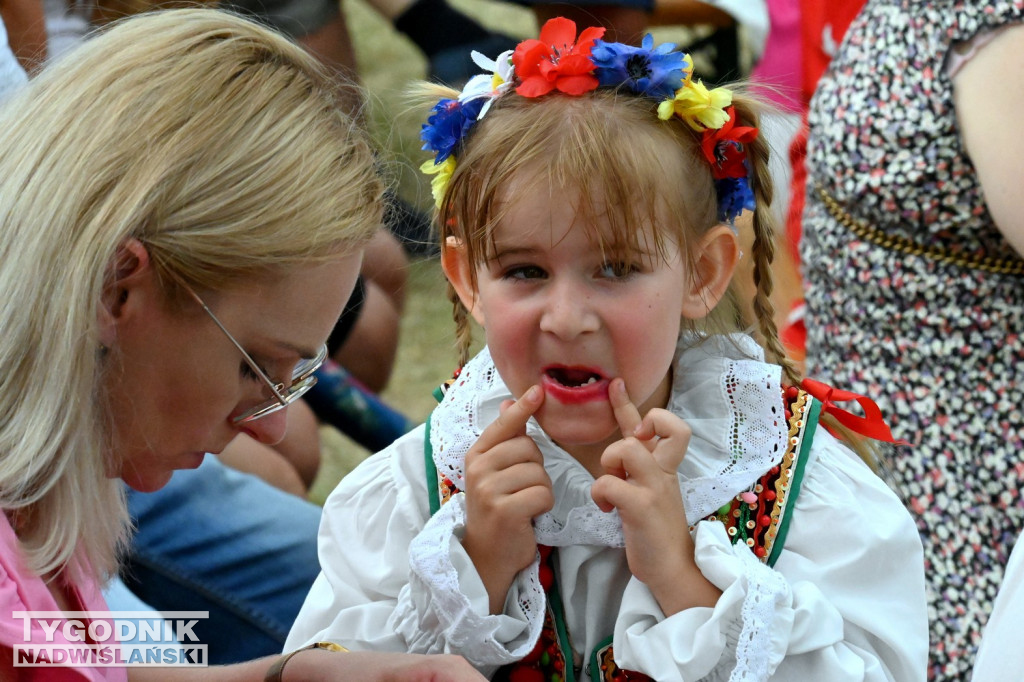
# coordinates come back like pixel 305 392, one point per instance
pixel 428 456
pixel 558 615
pixel 806 439
pixel 596 674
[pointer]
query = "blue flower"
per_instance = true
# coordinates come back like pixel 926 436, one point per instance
pixel 646 70
pixel 734 196
pixel 448 125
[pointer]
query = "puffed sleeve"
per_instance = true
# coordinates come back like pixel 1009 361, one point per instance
pixel 844 601
pixel 393 578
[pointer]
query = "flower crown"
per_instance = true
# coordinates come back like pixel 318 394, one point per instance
pixel 558 61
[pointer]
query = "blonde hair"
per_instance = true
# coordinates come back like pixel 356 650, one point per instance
pixel 213 141
pixel 609 144
pixel 612 144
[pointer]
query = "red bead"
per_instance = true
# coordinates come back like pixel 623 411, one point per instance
pixel 759 551
pixel 534 655
pixel 525 674
pixel 547 577
pixel 792 392
pixel 765 520
pixel 769 495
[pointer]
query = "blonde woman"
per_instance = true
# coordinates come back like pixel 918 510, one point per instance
pixel 182 214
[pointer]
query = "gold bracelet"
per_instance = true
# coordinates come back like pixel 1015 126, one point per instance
pixel 277 670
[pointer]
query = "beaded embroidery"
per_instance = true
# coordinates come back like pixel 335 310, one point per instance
pixel 758 517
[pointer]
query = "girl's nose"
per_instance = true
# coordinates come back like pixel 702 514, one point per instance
pixel 569 311
pixel 270 429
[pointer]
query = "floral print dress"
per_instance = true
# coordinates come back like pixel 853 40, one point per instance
pixel 915 299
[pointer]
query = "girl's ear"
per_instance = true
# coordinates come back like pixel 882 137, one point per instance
pixel 458 270
pixel 713 261
pixel 125 274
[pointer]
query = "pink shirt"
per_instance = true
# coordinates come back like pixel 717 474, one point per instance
pixel 23 590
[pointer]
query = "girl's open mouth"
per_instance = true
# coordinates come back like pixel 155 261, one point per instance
pixel 574 385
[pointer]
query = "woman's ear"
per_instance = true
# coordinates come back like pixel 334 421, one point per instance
pixel 713 263
pixel 459 272
pixel 125 273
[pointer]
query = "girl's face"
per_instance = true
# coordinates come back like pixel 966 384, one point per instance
pixel 175 380
pixel 561 313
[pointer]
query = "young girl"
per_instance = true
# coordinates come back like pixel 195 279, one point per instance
pixel 538 523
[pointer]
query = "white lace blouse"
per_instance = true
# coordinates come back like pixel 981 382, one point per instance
pixel 845 600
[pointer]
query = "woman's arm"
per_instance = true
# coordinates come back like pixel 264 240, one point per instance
pixel 26 31
pixel 989 98
pixel 317 665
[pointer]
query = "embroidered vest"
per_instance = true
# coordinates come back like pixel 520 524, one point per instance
pixel 758 517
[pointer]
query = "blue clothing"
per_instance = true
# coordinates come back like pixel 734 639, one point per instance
pixel 219 540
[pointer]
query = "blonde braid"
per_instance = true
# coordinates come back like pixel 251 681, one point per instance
pixel 758 152
pixel 763 249
pixel 463 328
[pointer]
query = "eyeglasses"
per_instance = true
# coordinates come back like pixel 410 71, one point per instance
pixel 303 377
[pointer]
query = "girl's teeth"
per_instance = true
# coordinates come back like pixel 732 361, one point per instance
pixel 591 380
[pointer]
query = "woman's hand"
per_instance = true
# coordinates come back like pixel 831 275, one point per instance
pixel 641 482
pixel 318 665
pixel 506 486
pixel 377 666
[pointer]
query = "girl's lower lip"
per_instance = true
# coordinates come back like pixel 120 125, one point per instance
pixel 575 395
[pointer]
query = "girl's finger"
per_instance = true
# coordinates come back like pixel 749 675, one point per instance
pixel 608 491
pixel 512 420
pixel 672 438
pixel 626 414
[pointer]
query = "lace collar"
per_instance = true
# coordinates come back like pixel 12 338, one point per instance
pixel 729 396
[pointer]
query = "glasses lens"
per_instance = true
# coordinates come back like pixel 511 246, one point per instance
pixel 309 365
pixel 303 380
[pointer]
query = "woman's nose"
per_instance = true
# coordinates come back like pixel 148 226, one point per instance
pixel 270 429
pixel 569 310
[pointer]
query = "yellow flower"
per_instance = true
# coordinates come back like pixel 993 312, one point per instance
pixel 698 106
pixel 442 173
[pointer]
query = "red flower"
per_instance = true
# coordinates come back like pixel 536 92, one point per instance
pixel 723 147
pixel 557 61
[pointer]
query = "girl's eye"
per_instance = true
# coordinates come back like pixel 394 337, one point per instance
pixel 618 270
pixel 524 272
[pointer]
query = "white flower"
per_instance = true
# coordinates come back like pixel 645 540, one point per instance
pixel 490 85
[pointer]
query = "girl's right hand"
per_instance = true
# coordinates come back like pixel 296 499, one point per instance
pixel 506 486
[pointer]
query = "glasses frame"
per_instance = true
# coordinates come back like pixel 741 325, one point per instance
pixel 303 377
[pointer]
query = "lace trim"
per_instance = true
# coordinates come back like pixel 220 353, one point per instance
pixel 430 562
pixel 766 590
pixel 728 394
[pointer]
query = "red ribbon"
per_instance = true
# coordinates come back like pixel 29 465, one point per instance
pixel 870 425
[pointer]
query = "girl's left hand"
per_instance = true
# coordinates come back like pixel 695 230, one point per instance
pixel 641 482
